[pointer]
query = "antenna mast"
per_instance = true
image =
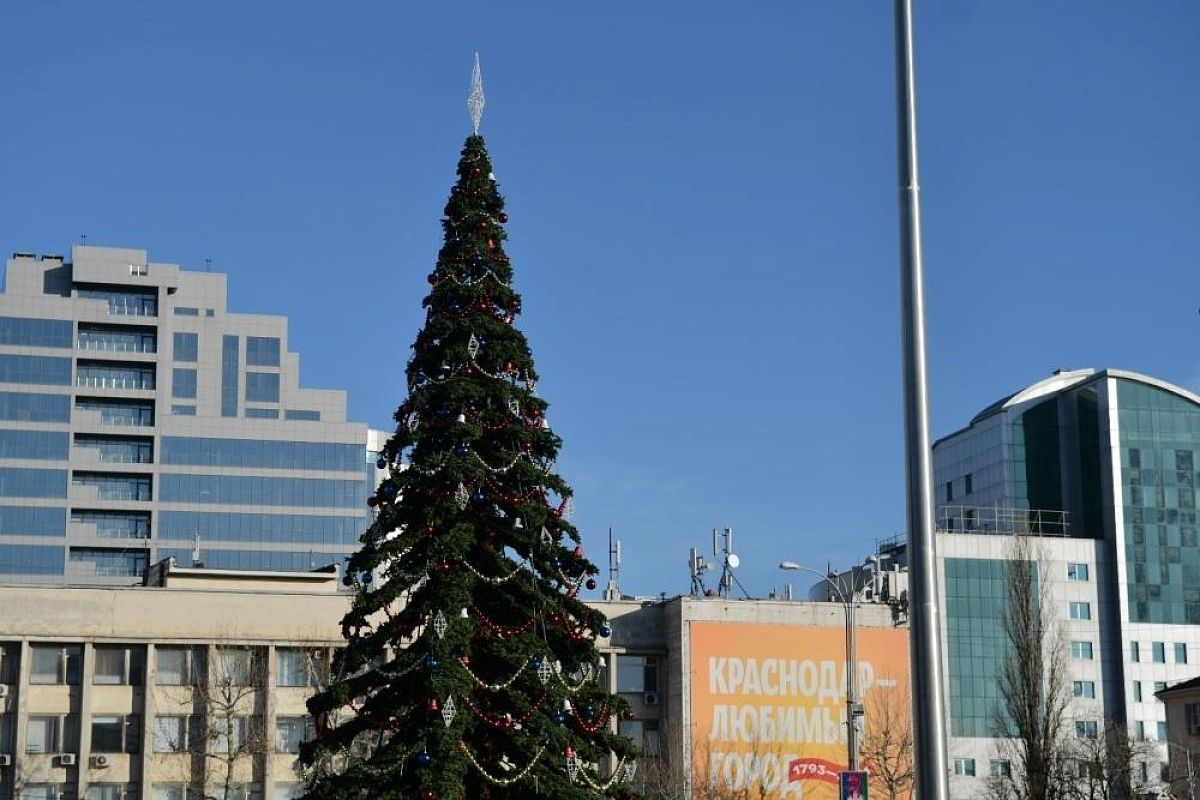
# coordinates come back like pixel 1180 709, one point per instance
pixel 613 591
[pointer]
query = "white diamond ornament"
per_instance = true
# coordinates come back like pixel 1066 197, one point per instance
pixel 461 496
pixel 514 407
pixel 544 672
pixel 473 346
pixel 572 767
pixel 546 537
pixel 630 770
pixel 440 624
pixel 448 711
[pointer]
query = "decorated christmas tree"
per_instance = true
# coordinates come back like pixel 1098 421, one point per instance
pixel 471 668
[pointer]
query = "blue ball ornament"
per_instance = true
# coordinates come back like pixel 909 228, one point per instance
pixel 424 758
pixel 462 449
pixel 431 662
pixel 479 496
pixel 535 662
pixel 381 463
pixel 559 718
pixel 605 631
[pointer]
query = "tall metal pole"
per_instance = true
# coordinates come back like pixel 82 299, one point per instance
pixel 851 687
pixel 925 652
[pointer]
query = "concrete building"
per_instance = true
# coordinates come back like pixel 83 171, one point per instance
pixel 117 693
pixel 139 417
pixel 1101 468
pixel 1182 704
pixel 106 689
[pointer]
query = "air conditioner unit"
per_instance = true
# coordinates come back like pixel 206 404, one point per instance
pixel 101 762
pixel 651 698
pixel 3 690
pixel 5 760
pixel 66 759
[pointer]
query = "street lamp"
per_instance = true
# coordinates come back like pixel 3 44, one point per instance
pixel 853 708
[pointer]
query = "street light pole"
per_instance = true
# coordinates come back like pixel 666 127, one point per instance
pixel 853 709
pixel 925 654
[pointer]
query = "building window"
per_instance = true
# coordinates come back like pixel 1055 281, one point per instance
pixel 187 347
pixel 999 768
pixel 183 410
pixel 968 484
pixel 1159 686
pixel 1081 610
pixel 1086 729
pixel 170 734
pixel 262 387
pixel 229 733
pixel 115 733
pixel 1077 572
pixel 1139 731
pixel 118 666
pixel 1086 689
pixel 1181 653
pixel 1137 691
pixel 644 733
pixel 168 791
pixel 262 351
pixel 291 732
pixel 949 491
pixel 1135 652
pixel 1191 718
pixel 295 667
pixel 964 766
pixel 1158 653
pixel 637 673
pixel 47 791
pixel 1082 650
pixel 179 666
pixel 42 734
pixel 262 413
pixel 112 791
pixel 302 415
pixel 1162 731
pixel 287 791
pixel 183 383
pixel 232 667
pixel 55 664
pixel 230 350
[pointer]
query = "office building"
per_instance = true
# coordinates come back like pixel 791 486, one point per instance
pixel 1100 468
pixel 140 419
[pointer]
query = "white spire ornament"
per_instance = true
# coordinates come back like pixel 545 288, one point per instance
pixel 475 99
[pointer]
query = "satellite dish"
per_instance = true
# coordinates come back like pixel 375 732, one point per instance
pixel 733 560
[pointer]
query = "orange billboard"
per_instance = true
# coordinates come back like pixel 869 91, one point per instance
pixel 768 705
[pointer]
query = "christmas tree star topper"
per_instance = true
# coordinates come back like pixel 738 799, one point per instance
pixel 475 99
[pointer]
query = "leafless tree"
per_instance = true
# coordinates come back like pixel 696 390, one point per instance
pixel 224 739
pixel 1184 777
pixel 887 747
pixel 661 779
pixel 1105 766
pixel 1033 682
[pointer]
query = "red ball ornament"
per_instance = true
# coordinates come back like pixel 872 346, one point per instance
pixel 491 244
pixel 433 704
pixel 527 445
pixel 591 583
pixel 502 217
pixel 508 367
pixel 475 170
pixel 444 566
pixel 428 793
pixel 579 551
pixel 465 659
pixel 430 530
pixel 483 226
pixel 569 752
pixel 432 278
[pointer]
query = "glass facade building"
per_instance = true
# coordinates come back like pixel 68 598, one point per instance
pixel 1103 467
pixel 140 419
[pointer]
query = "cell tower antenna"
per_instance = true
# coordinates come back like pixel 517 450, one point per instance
pixel 613 591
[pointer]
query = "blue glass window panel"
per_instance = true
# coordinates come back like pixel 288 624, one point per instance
pixel 262 413
pixel 256 490
pixel 30 407
pixel 260 528
pixel 16 482
pixel 127 303
pixel 118 450
pixel 115 487
pixel 262 387
pixel 119 412
pixel 262 351
pixel 230 349
pixel 302 415
pixel 183 383
pixel 187 347
pixel 117 340
pixel 27 332
pixel 30 559
pixel 275 561
pixel 262 454
pixel 102 561
pixel 38 370
pixel 115 376
pixel 25 521
pixel 115 524
pixel 183 410
pixel 47 445
pixel 186 311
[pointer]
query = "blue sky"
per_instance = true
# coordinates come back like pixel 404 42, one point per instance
pixel 704 217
